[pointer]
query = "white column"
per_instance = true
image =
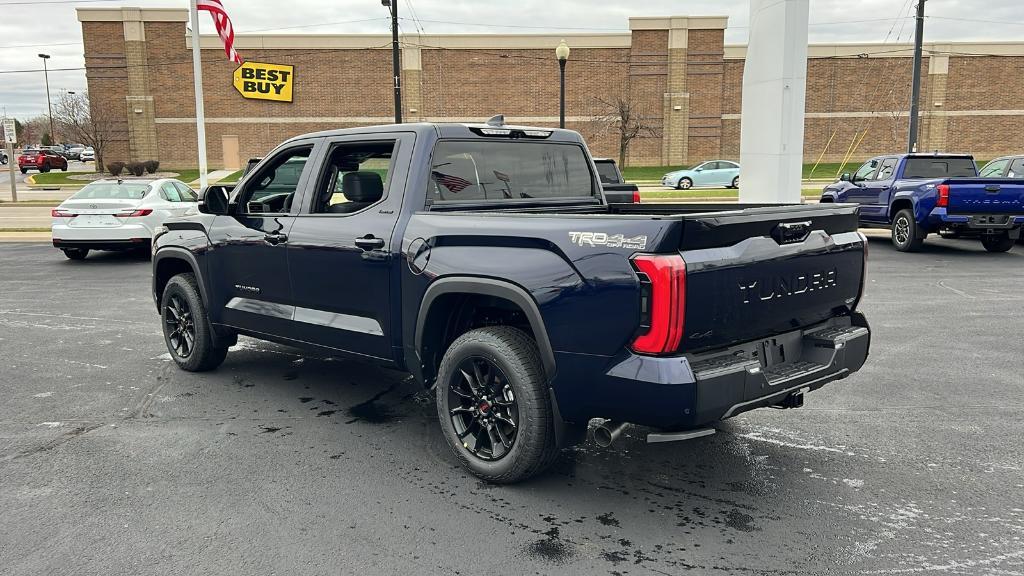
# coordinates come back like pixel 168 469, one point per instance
pixel 774 90
pixel 197 74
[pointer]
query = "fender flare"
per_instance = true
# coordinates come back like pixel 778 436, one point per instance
pixel 498 289
pixel 180 254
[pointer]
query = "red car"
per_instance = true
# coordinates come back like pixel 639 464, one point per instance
pixel 42 160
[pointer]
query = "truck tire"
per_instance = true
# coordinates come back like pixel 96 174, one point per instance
pixel 186 326
pixel 76 253
pixel 997 242
pixel 906 234
pixel 493 405
pixel 684 184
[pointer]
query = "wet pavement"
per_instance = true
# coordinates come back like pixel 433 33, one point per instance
pixel 112 461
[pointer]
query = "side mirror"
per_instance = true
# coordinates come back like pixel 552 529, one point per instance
pixel 845 177
pixel 214 200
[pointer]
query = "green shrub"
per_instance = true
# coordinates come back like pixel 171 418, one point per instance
pixel 115 168
pixel 151 166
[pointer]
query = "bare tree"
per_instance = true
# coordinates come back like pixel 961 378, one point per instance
pixel 624 116
pixel 84 123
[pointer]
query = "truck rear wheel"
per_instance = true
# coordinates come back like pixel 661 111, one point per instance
pixel 997 242
pixel 493 405
pixel 186 326
pixel 906 234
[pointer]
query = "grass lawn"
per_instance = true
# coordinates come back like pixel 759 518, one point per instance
pixel 823 170
pixel 230 178
pixel 63 178
pixel 708 193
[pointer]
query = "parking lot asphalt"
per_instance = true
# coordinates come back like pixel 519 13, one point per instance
pixel 112 461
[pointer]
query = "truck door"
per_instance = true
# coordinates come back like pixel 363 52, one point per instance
pixel 857 193
pixel 343 265
pixel 876 192
pixel 248 264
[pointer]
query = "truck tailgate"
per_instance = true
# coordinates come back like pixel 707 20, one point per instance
pixel 773 270
pixel 985 196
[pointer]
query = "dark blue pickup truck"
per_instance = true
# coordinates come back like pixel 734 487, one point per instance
pixel 484 260
pixel 914 195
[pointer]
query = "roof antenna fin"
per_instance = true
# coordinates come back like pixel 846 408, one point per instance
pixel 498 120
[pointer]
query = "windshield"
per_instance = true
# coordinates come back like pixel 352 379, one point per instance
pixel 496 171
pixel 939 167
pixel 112 191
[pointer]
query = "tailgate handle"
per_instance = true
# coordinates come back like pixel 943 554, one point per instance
pixel 791 232
pixel 992 188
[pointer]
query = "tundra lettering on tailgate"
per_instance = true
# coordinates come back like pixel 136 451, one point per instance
pixel 594 239
pixel 766 289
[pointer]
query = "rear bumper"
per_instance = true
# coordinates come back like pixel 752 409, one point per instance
pixel 695 390
pixel 130 244
pixel 939 217
pixel 125 237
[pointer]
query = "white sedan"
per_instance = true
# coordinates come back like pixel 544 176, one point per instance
pixel 117 214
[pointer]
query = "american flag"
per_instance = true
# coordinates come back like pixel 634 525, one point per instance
pixel 223 24
pixel 453 183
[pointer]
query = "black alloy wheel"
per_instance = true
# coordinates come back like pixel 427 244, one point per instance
pixel 483 408
pixel 181 327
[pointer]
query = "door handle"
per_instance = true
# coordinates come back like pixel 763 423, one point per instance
pixel 275 238
pixel 368 242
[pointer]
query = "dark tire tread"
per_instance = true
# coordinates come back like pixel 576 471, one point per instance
pixel 535 448
pixel 204 356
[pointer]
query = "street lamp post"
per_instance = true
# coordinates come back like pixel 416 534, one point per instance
pixel 562 53
pixel 49 109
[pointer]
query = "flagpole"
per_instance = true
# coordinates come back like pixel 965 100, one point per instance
pixel 197 74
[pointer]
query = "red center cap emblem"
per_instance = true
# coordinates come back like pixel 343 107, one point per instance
pixel 484 407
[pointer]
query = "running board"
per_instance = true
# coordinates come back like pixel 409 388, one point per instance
pixel 678 436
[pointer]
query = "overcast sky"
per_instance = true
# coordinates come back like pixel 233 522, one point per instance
pixel 30 27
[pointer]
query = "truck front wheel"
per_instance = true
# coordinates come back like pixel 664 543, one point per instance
pixel 187 331
pixel 907 236
pixel 997 242
pixel 493 405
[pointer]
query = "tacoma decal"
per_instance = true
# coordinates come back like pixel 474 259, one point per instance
pixel 780 286
pixel 595 239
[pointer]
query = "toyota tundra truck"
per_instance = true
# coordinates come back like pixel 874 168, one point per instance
pixel 484 260
pixel 914 195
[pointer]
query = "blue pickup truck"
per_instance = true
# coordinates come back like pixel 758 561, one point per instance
pixel 914 195
pixel 485 260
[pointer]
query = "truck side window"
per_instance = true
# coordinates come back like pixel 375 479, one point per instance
pixel 866 171
pixel 273 188
pixel 354 178
pixel 885 172
pixel 994 169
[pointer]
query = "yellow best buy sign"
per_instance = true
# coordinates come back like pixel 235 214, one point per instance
pixel 262 81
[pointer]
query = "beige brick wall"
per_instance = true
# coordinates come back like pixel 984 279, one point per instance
pixel 845 96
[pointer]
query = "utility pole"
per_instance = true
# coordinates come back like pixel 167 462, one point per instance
pixel 396 65
pixel 915 92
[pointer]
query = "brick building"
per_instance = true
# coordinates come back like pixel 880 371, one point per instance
pixel 675 72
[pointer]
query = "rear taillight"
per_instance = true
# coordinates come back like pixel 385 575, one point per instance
pixel 663 303
pixel 134 213
pixel 943 195
pixel 636 196
pixel 58 213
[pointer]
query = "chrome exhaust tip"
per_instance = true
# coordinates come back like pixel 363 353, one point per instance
pixel 608 432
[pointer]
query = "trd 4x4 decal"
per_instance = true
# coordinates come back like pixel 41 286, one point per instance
pixel 594 239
